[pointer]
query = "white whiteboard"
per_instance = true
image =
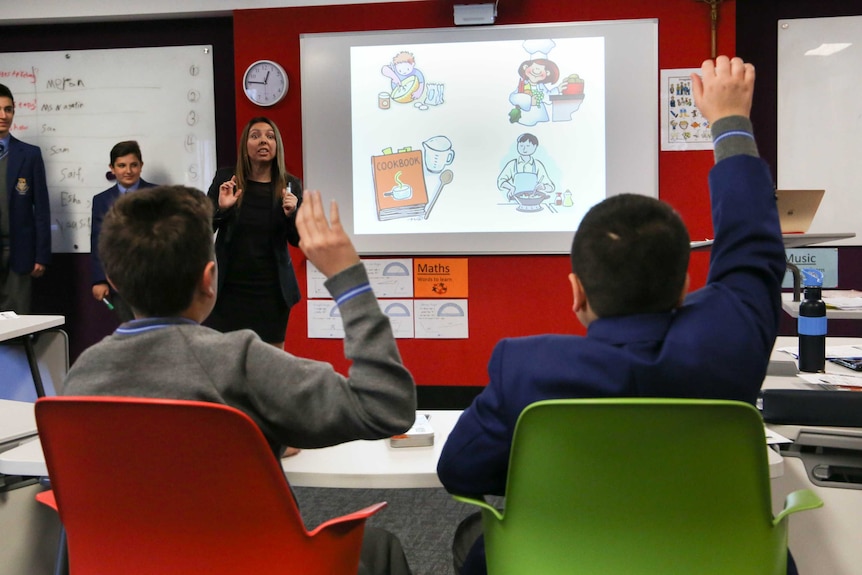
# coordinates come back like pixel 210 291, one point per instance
pixel 76 104
pixel 619 112
pixel 820 118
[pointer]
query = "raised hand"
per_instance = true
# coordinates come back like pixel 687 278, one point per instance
pixel 228 194
pixel 723 88
pixel 325 244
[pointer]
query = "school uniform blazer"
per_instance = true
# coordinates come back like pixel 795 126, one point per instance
pixel 102 202
pixel 224 222
pixel 715 346
pixel 29 208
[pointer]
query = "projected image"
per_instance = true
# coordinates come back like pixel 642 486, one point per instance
pixel 501 136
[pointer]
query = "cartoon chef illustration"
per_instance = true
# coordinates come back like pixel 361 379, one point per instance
pixel 525 173
pixel 531 100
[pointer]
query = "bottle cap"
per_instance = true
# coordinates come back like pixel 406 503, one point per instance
pixel 812 277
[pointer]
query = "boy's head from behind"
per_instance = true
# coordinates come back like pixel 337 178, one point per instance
pixel 630 255
pixel 155 246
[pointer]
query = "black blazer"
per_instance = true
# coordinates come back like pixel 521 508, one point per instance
pixel 224 222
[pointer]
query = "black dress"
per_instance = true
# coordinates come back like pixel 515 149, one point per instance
pixel 250 296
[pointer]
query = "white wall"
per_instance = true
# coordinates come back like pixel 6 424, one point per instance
pixel 59 11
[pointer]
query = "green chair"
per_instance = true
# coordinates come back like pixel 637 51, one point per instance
pixel 638 486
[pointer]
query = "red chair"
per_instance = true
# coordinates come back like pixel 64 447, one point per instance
pixel 179 487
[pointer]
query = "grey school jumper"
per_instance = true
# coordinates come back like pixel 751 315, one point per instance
pixel 295 401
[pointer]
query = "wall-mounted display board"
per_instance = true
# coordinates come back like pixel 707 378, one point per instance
pixel 820 117
pixel 479 140
pixel 76 104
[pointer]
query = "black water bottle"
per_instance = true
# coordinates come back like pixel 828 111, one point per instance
pixel 812 324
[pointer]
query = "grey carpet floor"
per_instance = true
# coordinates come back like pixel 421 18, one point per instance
pixel 423 519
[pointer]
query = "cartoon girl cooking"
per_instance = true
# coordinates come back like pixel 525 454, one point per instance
pixel 531 100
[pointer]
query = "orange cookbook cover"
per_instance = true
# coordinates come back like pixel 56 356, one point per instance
pixel 399 185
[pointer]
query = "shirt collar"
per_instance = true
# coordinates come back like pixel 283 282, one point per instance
pixel 143 325
pixel 131 188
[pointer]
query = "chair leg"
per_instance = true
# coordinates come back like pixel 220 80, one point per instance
pixel 61 563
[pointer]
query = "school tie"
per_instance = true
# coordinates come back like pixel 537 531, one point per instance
pixel 2 150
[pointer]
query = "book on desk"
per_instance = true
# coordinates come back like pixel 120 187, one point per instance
pixel 420 434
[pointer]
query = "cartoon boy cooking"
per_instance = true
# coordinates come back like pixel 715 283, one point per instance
pixel 524 173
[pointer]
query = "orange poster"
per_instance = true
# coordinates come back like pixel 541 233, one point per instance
pixel 440 277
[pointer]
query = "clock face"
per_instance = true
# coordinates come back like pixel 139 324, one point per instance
pixel 265 83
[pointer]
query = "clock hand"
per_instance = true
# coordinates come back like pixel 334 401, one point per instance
pixel 266 78
pixel 252 82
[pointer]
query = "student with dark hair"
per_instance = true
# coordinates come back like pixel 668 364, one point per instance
pixel 646 335
pixel 25 213
pixel 157 250
pixel 126 165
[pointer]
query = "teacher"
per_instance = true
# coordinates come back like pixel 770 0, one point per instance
pixel 255 218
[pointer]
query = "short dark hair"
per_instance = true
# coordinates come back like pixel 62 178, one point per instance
pixel 155 244
pixel 528 137
pixel 5 92
pixel 124 149
pixel 631 255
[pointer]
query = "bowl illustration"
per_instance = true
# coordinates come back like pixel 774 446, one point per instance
pixel 403 93
pixel 530 201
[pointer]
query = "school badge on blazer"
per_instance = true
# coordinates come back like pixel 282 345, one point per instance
pixel 22 186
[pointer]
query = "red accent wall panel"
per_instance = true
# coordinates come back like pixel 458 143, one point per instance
pixel 509 295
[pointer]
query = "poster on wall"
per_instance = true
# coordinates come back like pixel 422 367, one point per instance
pixel 683 127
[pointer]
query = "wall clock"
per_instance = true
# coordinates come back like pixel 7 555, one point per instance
pixel 265 83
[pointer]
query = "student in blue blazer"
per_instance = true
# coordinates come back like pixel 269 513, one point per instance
pixel 646 335
pixel 126 165
pixel 25 214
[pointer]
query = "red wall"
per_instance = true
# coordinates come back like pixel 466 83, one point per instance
pixel 509 295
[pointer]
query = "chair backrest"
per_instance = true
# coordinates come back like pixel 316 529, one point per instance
pixel 637 486
pixel 167 486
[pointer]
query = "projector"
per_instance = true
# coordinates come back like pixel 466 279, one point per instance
pixel 474 14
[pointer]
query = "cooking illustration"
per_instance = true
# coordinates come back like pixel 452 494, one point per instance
pixel 536 94
pixel 524 179
pixel 400 178
pixel 503 152
pixel 407 84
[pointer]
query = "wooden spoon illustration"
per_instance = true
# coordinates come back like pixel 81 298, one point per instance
pixel 445 178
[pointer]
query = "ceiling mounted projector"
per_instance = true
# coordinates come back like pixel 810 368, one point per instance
pixel 474 14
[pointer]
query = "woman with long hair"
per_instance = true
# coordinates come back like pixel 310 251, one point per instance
pixel 255 218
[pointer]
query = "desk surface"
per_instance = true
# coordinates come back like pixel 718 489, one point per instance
pixel 357 464
pixel 793 382
pixel 372 464
pixel 16 421
pixel 27 324
pixel 792 309
pixel 790 240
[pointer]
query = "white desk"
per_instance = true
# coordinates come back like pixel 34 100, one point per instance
pixel 28 325
pixel 792 309
pixel 16 421
pixel 790 240
pixel 372 464
pixel 21 328
pixel 825 540
pixel 357 464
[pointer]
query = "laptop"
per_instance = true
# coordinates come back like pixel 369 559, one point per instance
pixel 796 209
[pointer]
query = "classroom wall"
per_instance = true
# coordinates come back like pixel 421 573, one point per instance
pixel 65 289
pixel 509 295
pixel 514 295
pixel 757 42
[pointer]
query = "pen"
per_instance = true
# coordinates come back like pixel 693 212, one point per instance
pixel 108 303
